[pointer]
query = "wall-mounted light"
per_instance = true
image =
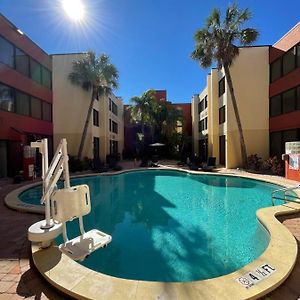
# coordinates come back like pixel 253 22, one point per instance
pixel 20 31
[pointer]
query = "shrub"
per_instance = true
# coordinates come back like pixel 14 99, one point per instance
pixel 75 164
pixel 254 162
pixel 117 168
pixel 86 163
pixel 274 165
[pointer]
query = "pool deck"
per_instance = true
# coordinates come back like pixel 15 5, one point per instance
pixel 19 279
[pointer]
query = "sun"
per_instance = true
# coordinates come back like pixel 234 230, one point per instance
pixel 74 9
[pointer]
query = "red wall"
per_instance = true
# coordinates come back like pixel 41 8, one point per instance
pixel 16 129
pixel 187 114
pixel 286 121
pixel 11 123
pixel 291 80
pixel 160 95
pixel 285 83
pixel 9 31
pixel 15 79
pixel 13 126
pixel 291 174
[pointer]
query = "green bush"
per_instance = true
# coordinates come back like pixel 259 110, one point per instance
pixel 254 162
pixel 75 164
pixel 274 165
pixel 86 163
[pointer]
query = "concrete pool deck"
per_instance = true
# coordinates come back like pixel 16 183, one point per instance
pixel 16 255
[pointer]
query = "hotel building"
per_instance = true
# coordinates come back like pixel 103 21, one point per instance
pixel 25 96
pixel 105 134
pixel 215 131
pixel 284 91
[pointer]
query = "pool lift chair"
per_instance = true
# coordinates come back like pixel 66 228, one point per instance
pixel 64 205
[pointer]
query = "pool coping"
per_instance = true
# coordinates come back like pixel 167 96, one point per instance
pixel 81 282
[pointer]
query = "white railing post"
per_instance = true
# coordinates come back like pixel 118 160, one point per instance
pixel 66 173
pixel 48 223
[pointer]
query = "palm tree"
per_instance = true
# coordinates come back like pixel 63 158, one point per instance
pixel 93 74
pixel 216 42
pixel 143 110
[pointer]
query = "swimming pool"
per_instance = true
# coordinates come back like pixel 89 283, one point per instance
pixel 173 226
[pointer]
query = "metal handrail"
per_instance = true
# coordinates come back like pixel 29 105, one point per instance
pixel 284 190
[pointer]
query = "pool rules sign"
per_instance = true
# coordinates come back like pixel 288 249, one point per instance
pixel 253 277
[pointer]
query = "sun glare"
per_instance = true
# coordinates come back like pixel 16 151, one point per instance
pixel 74 9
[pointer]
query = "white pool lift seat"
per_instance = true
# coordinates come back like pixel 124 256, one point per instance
pixel 69 204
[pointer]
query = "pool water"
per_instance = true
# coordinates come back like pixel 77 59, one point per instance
pixel 172 226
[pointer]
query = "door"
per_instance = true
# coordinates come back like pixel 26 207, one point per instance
pixel 222 150
pixel 3 159
pixel 203 149
pixel 96 148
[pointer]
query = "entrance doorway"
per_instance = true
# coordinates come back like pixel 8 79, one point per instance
pixel 203 150
pixel 96 148
pixel 222 150
pixel 3 159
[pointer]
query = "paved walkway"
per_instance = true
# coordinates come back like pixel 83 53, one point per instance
pixel 20 280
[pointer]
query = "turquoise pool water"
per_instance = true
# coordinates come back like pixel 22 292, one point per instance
pixel 172 226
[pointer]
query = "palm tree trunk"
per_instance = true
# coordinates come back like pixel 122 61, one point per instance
pixel 86 124
pixel 237 116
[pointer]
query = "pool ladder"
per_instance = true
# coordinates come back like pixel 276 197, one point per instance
pixel 286 197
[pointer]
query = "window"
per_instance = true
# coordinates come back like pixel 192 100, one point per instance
pixel 47 111
pixel 114 126
pixel 279 138
pixel 298 97
pixel 22 62
pixel 298 56
pixel 276 70
pixel 113 147
pixel 178 126
pixel 114 108
pixel 222 149
pixel 275 106
pixel 96 147
pixel 6 52
pixel 288 101
pixel 46 78
pixel 275 144
pixel 289 136
pixel 95 117
pixel 35 71
pixel 109 124
pixel 222 115
pixel 110 104
pixel 289 61
pixel 22 104
pixel 222 86
pixel 6 98
pixel 202 104
pixel 36 108
pixel 202 124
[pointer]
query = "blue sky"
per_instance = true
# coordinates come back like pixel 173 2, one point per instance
pixel 149 41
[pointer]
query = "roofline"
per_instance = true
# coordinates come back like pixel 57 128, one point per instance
pixel 24 35
pixel 287 33
pixel 70 53
pixel 255 46
pixel 184 103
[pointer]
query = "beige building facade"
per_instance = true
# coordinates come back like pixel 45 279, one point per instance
pixel 105 134
pixel 220 137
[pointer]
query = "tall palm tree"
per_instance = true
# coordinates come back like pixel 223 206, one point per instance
pixel 216 42
pixel 142 110
pixel 96 75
